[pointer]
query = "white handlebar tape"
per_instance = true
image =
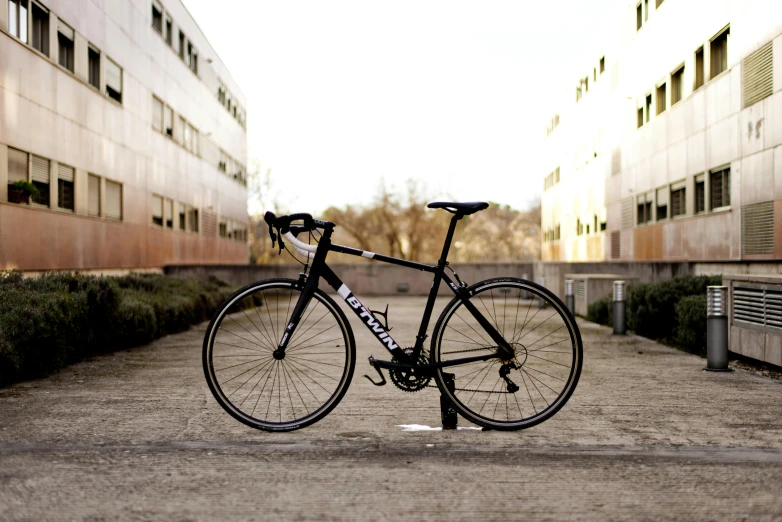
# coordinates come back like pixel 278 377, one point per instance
pixel 302 248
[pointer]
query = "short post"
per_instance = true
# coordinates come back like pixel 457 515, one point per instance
pixel 524 293
pixel 620 327
pixel 570 299
pixel 541 302
pixel 447 411
pixel 717 329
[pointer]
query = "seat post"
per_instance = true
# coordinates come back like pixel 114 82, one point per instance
pixel 448 238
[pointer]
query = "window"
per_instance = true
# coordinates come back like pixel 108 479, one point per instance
pixel 17 18
pixel 17 166
pixel 659 3
pixel 182 210
pixel 698 68
pixel 719 53
pixel 223 164
pixel 646 10
pixel 93 56
pixel 194 62
pixel 93 195
pixel 640 117
pixel 660 101
pixel 65 187
pixel 157 210
pixel 648 108
pixel 65 43
pixel 157 17
pixel 186 136
pixel 181 135
pixel 169 213
pixel 40 29
pixel 181 45
pixel 644 208
pixel 639 16
pixel 192 140
pixel 189 54
pixel 113 200
pixel 157 114
pixel 169 30
pixel 719 184
pixel 700 194
pixel 192 219
pixel 223 228
pixel 678 201
pixel 602 64
pixel 113 80
pixel 40 175
pixel 676 85
pixel 662 204
pixel 168 121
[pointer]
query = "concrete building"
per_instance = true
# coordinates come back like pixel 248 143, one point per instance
pixel 668 144
pixel 132 130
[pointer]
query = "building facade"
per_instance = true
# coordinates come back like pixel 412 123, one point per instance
pixel 670 149
pixel 131 129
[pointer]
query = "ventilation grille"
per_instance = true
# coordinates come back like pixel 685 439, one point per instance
pixel 757 75
pixel 757 306
pixel 616 244
pixel 757 228
pixel 209 222
pixel 627 213
pixel 579 289
pixel 616 161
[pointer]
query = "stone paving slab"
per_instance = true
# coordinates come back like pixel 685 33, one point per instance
pixel 136 435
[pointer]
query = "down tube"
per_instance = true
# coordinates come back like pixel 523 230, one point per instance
pixel 366 316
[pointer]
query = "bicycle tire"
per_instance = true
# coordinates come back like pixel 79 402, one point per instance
pixel 314 384
pixel 561 361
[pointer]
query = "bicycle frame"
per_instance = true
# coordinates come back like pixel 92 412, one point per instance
pixel 319 269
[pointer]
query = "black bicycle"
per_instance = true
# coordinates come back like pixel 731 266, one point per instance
pixel 279 354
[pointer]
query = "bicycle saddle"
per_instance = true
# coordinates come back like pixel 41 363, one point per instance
pixel 471 207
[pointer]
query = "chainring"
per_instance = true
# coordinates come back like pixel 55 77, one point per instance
pixel 406 380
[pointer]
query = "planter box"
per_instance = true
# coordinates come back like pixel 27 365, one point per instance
pixel 18 196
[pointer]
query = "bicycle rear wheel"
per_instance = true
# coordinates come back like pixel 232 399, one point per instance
pixel 527 389
pixel 267 393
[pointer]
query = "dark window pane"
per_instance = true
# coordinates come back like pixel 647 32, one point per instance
pixel 43 193
pixel 65 194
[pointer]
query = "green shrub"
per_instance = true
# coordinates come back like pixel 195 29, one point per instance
pixel 55 319
pixel 602 311
pixel 651 307
pixel 690 331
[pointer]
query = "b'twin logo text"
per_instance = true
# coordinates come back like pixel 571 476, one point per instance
pixel 378 330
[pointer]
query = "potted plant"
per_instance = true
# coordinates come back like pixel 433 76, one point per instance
pixel 21 191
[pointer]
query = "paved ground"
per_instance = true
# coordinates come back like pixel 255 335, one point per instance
pixel 647 435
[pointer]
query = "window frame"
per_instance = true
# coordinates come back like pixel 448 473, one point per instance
pixel 677 77
pixel 44 30
pixel 724 173
pixel 91 49
pixel 157 201
pixel 660 98
pixel 70 50
pixel 699 80
pixel 17 31
pixel 700 179
pixel 157 9
pixel 723 65
pixel 110 89
pixel 676 188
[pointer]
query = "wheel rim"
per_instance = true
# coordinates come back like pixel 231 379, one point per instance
pixel 546 358
pixel 266 392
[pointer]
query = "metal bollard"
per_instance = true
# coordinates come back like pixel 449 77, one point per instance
pixel 524 293
pixel 570 299
pixel 620 327
pixel 717 329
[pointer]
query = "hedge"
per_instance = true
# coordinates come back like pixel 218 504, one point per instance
pixel 672 311
pixel 56 319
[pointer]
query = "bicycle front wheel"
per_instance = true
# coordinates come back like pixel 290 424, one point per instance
pixel 526 389
pixel 267 393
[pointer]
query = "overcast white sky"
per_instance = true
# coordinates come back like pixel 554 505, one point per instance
pixel 344 94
